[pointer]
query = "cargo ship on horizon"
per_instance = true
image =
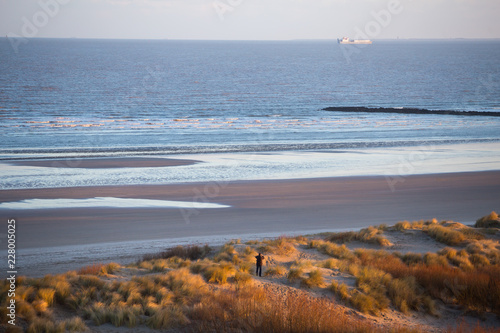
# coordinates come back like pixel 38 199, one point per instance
pixel 346 40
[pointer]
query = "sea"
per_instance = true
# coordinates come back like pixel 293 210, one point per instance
pixel 245 109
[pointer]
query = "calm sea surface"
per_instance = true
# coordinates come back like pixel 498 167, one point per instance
pixel 85 97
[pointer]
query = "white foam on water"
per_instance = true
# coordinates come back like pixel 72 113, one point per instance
pixel 106 202
pixel 224 167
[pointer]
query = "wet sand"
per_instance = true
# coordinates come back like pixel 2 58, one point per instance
pixel 281 206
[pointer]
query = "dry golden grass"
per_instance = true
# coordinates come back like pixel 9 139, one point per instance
pixel 331 249
pixel 367 235
pixel 191 252
pixel 244 266
pixel 280 246
pixel 329 263
pixel 404 293
pixel 46 295
pixel 94 269
pixel 111 268
pixel 415 225
pixel 47 325
pixel 254 310
pixel 435 259
pixel 315 279
pixel 477 289
pixel 226 253
pixel 446 235
pixel 341 290
pixel 412 258
pixel 295 274
pixel 219 273
pixel 44 325
pixel 275 271
pixel 169 317
pixel 174 292
pixel 99 269
pixel 404 225
pixel 75 324
pixel 489 221
pixel 242 279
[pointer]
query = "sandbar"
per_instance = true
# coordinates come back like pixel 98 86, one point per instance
pixel 104 163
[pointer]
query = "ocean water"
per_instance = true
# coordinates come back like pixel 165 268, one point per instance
pixel 87 98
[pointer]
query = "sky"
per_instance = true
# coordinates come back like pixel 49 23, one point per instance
pixel 250 19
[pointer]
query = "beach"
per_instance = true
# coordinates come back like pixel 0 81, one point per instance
pixel 141 178
pixel 280 207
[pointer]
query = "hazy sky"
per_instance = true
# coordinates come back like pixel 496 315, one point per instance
pixel 251 19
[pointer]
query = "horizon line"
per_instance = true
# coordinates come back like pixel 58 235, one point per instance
pixel 256 40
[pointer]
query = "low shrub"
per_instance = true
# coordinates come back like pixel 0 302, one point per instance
pixel 94 269
pixel 315 279
pixel 404 294
pixel 39 325
pixel 46 295
pixel 435 259
pixel 87 281
pixel 218 273
pixel 367 235
pixel 75 324
pixel 191 252
pixel 479 260
pixel 275 271
pixel 446 235
pixel 110 268
pixel 183 283
pixel 365 303
pixel 254 310
pixel 169 317
pixel 401 226
pixel 295 274
pixel 242 279
pixel 244 267
pixel 279 246
pixel 412 258
pixel 329 263
pixel 332 249
pixel 340 290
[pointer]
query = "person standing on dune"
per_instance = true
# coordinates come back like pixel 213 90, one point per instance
pixel 260 259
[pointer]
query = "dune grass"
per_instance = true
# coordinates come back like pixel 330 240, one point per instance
pixel 295 274
pixel 446 235
pixel 215 292
pixel 94 269
pixel 367 235
pixel 331 249
pixel 315 279
pixel 489 221
pixel 191 252
pixel 476 289
pixel 254 310
pixel 280 246
pixel 275 271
